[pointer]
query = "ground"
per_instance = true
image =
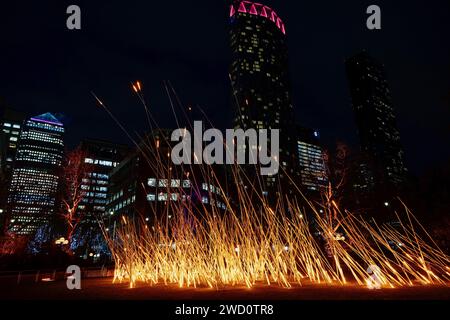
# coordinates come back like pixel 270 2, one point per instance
pixel 104 289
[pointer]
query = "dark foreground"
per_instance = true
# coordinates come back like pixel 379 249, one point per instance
pixel 104 289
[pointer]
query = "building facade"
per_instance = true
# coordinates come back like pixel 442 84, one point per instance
pixel 11 122
pixel 102 157
pixel 259 73
pixel 313 171
pixel 32 198
pixel 382 167
pixel 147 185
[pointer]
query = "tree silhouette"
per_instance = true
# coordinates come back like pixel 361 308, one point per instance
pixel 75 169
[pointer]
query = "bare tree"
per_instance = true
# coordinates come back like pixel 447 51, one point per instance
pixel 74 171
pixel 337 169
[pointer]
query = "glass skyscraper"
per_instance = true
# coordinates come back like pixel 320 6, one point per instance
pixel 313 172
pixel 259 74
pixel 102 157
pixel 11 123
pixel 376 122
pixel 35 179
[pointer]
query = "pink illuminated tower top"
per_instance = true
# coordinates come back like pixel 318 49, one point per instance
pixel 259 10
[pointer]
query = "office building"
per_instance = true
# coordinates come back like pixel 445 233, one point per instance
pixel 32 198
pixel 11 122
pixel 146 185
pixel 259 73
pixel 313 172
pixel 102 157
pixel 383 166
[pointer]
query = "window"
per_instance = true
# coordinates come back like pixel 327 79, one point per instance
pixel 174 196
pixel 151 197
pixel 175 183
pixel 105 163
pixel 186 183
pixel 162 197
pixel 162 183
pixel 151 182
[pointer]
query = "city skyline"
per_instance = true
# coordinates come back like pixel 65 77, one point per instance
pixel 237 149
pixel 114 55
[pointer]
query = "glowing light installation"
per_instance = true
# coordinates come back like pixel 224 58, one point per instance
pixel 259 10
pixel 259 243
pixel 245 248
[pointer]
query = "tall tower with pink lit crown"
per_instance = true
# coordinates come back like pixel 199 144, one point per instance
pixel 261 89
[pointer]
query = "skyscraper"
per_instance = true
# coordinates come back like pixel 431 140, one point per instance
pixel 11 122
pixel 376 123
pixel 34 182
pixel 103 157
pixel 313 173
pixel 259 74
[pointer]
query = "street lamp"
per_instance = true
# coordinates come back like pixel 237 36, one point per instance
pixel 62 241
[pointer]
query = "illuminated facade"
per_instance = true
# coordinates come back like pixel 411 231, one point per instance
pixel 383 167
pixel 35 180
pixel 11 123
pixel 146 184
pixel 313 173
pixel 259 75
pixel 102 157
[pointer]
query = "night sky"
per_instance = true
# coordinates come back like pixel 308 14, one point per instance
pixel 46 67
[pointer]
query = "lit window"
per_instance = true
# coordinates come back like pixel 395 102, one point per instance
pixel 162 183
pixel 186 183
pixel 105 163
pixel 151 182
pixel 162 197
pixel 175 183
